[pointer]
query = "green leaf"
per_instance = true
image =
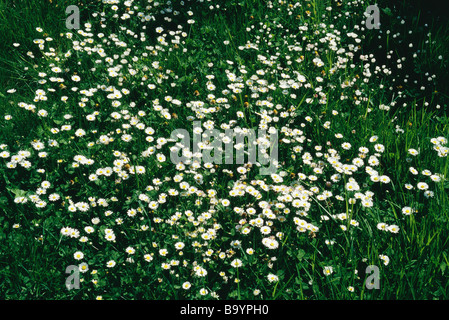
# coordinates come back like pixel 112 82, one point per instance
pixel 301 254
pixel 443 267
pixel 387 11
pixel 3 200
pixel 17 192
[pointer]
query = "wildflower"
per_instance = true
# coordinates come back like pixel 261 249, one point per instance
pixel 54 197
pixel 352 186
pixel 382 226
pixel 435 178
pixel 89 229
pixel 179 245
pixel 265 230
pixel 83 267
pixel 407 211
pixel 236 263
pixel 346 145
pixel 130 250
pixel 165 266
pixel 379 147
pixel 270 243
pixel 393 228
pixel 422 186
pixel 272 278
pixel 385 259
pixel 148 257
pixel 111 264
pixel 429 194
pixel 78 255
pixel 201 272
pixel 186 285
pixel 328 270
pixel 236 244
pixel 384 179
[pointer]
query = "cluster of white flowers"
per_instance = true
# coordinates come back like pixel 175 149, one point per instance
pixel 108 159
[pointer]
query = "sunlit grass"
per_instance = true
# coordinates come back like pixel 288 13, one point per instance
pixel 363 141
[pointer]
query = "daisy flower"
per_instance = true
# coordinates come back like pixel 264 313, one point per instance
pixel 328 270
pixel 236 263
pixel 111 264
pixel 78 255
pixel 272 278
pixel 186 285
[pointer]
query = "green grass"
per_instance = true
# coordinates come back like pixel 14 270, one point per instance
pixel 34 254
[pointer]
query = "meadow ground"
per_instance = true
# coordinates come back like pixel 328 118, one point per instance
pixel 351 115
